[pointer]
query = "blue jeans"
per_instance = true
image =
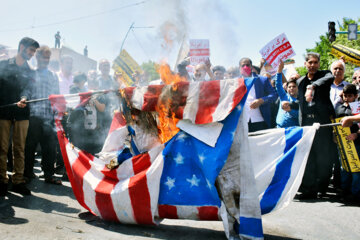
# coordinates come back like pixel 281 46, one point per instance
pixel 350 182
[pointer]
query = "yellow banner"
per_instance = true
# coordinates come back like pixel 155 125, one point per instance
pixel 127 66
pixel 350 55
pixel 348 154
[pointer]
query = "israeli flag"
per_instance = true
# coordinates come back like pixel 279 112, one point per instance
pixel 279 158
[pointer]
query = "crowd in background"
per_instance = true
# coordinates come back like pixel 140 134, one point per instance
pixel 274 101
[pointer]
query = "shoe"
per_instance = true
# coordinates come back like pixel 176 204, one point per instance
pixel 20 188
pixel 59 170
pixel 307 196
pixel 53 180
pixel 29 177
pixel 323 195
pixel 65 177
pixel 3 189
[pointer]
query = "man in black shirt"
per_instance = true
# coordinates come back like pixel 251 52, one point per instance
pixel 16 78
pixel 315 107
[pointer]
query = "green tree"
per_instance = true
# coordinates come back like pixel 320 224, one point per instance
pixel 323 47
pixel 151 68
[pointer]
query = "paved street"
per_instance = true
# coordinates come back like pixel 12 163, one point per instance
pixel 53 213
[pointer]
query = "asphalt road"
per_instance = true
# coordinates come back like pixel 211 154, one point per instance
pixel 52 212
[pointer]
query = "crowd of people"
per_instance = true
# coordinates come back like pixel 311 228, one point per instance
pixel 24 126
pixel 274 101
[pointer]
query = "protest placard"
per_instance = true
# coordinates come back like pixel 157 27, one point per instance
pixel 348 154
pixel 277 49
pixel 127 66
pixel 199 51
pixel 355 107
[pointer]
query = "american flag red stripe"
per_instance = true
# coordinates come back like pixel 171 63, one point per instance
pixel 103 195
pixel 151 97
pixel 138 187
pixel 200 102
pixel 121 194
pixel 129 194
pixel 208 100
pixel 206 213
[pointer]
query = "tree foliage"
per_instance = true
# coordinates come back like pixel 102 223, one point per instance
pixel 323 47
pixel 152 69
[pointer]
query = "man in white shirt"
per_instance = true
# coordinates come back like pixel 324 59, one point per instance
pixel 65 75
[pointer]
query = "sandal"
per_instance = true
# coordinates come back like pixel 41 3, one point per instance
pixel 53 180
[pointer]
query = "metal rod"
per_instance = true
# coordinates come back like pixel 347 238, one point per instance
pixel 342 32
pixel 122 44
pixel 65 95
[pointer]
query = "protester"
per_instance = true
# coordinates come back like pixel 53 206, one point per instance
pixel 350 181
pixel 65 75
pixel 41 123
pixel 232 72
pixel 16 78
pixel 79 83
pixel 219 72
pixel 86 51
pixel 92 82
pixel 356 78
pixel 105 80
pixel 85 122
pixel 286 119
pixel 257 105
pixel 201 70
pixel 57 39
pixel 338 70
pixel 315 107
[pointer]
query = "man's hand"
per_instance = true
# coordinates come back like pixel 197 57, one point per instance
pixel 207 63
pixel 347 121
pixel 280 67
pixel 256 103
pixel 21 103
pixel 309 94
pixel 352 137
pixel 285 105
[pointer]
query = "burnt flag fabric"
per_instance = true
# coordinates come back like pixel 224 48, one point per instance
pixel 176 179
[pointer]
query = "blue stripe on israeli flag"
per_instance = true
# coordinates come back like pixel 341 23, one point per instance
pixel 282 172
pixel 251 227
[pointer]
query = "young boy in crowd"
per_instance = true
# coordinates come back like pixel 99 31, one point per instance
pixel 350 182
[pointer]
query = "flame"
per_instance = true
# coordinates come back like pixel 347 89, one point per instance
pixel 165 107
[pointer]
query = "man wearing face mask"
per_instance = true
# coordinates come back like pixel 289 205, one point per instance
pixel 257 106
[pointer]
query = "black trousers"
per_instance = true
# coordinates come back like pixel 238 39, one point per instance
pixel 319 165
pixel 257 126
pixel 42 132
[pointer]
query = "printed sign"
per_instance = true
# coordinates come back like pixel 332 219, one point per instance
pixel 199 51
pixel 348 154
pixel 355 107
pixel 126 65
pixel 277 49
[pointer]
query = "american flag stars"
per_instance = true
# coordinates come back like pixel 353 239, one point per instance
pixel 194 181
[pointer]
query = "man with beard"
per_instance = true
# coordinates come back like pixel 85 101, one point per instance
pixel 16 78
pixel 41 123
pixel 200 71
pixel 257 106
